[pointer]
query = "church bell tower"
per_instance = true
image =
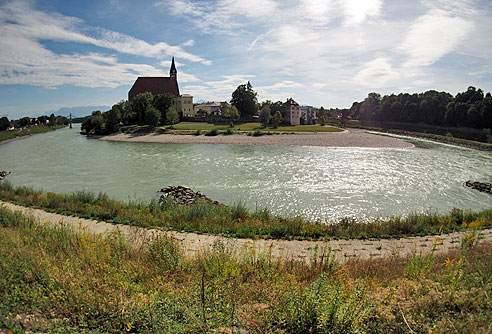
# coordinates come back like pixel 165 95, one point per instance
pixel 173 74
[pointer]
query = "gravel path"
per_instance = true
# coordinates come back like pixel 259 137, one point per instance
pixel 347 138
pixel 302 250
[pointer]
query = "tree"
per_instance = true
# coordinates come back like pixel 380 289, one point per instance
pixel 369 106
pixel 4 123
pixel 152 115
pixel 202 113
pixel 163 102
pixel 321 116
pixel 113 118
pixel 274 106
pixel 43 120
pixel 265 115
pixel 139 106
pixel 244 98
pixel 277 118
pixel 127 115
pixel 172 116
pixel 94 124
pixel 231 113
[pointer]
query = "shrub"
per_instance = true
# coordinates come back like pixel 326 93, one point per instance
pixel 325 307
pixel 198 132
pixel 165 252
pixel 213 132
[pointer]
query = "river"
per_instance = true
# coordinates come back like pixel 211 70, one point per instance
pixel 322 183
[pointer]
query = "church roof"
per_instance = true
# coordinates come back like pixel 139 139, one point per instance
pixel 155 85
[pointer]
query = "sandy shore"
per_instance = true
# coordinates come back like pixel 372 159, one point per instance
pixel 348 138
pixel 193 243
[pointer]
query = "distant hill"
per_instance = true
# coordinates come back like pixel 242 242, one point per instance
pixel 79 111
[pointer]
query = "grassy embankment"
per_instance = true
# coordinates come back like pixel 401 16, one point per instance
pixel 8 135
pixel 57 281
pixel 423 133
pixel 236 220
pixel 199 128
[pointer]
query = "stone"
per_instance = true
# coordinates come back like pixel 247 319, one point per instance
pixel 480 186
pixel 183 195
pixel 3 174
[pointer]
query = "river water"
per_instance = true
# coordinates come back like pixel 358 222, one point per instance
pixel 314 182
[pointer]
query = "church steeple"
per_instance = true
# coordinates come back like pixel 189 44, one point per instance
pixel 173 74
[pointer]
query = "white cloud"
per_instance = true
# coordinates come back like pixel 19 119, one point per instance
pixel 434 35
pixel 222 15
pixel 218 89
pixel 24 60
pixel 377 73
pixel 358 11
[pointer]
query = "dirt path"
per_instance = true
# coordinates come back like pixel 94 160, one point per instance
pixel 303 250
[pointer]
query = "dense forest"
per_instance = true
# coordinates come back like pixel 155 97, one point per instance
pixel 471 108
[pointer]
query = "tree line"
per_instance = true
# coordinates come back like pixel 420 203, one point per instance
pixel 471 108
pixel 145 109
pixel 25 122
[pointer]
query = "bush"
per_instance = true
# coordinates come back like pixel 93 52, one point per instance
pixel 165 252
pixel 228 132
pixel 198 132
pixel 256 133
pixel 213 132
pixel 324 307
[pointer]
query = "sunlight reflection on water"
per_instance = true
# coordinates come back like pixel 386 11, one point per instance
pixel 313 182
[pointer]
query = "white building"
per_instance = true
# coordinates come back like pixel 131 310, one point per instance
pixel 308 115
pixel 184 105
pixel 292 112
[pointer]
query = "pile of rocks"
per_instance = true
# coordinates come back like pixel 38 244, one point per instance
pixel 3 174
pixel 183 196
pixel 480 186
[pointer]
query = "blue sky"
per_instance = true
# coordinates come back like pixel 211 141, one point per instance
pixel 71 53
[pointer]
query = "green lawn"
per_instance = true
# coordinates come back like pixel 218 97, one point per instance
pixel 308 128
pixel 6 135
pixel 198 126
pixel 203 126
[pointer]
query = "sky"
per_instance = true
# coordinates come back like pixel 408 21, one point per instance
pixel 71 53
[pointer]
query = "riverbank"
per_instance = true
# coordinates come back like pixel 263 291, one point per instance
pixel 301 250
pixel 8 136
pixel 428 136
pixel 67 279
pixel 348 138
pixel 236 221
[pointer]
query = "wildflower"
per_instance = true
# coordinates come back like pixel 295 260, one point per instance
pixel 448 263
pixel 129 326
pixel 475 224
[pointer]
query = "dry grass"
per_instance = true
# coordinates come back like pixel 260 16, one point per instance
pixel 55 280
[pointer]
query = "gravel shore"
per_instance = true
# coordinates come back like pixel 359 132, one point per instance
pixel 348 138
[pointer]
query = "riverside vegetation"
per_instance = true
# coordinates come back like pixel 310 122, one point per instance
pixel 235 220
pixel 58 280
pixel 8 135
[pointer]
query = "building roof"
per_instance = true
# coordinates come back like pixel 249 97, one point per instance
pixel 209 104
pixel 155 85
pixel 291 102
